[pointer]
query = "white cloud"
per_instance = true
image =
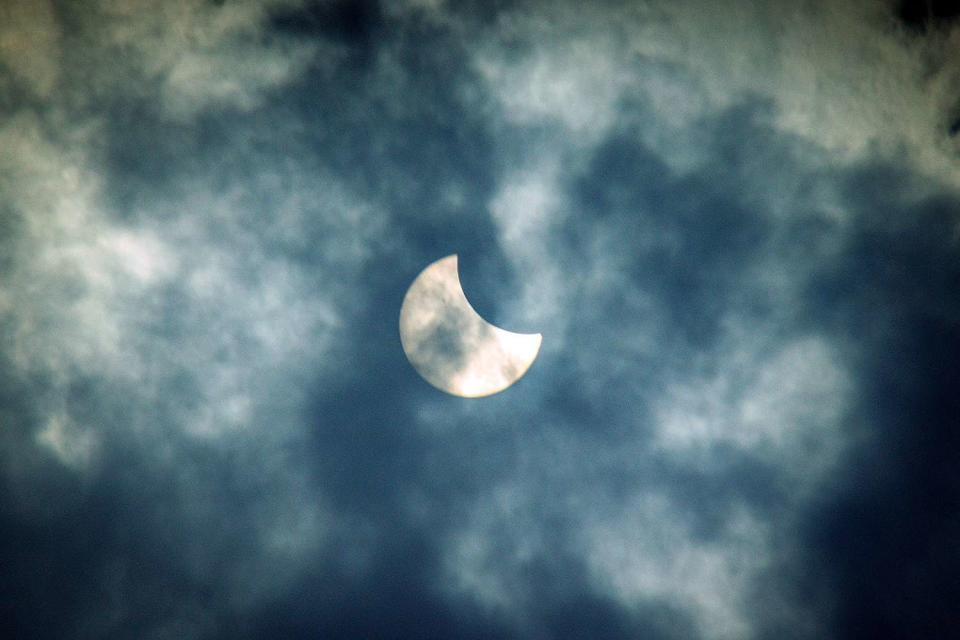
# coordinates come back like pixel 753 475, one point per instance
pixel 572 82
pixel 646 553
pixel 487 559
pixel 210 314
pixel 251 321
pixel 527 209
pixel 75 446
pixel 200 54
pixel 843 76
pixel 641 549
pixel 783 403
pixel 75 273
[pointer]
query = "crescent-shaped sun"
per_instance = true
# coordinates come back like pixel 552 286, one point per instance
pixel 451 345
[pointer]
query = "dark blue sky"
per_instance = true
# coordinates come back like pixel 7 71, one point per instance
pixel 736 228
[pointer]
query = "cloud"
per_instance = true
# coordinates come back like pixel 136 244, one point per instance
pixel 850 78
pixel 645 554
pixel 735 229
pixel 194 55
pixel 74 446
pixel 69 274
pixel 166 344
pixel 624 260
pixel 773 406
pixel 30 44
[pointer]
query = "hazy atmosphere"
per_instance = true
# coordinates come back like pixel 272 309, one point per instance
pixel 735 225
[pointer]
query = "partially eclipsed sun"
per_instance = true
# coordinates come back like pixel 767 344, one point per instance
pixel 451 346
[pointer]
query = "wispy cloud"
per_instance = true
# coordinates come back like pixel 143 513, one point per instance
pixel 735 228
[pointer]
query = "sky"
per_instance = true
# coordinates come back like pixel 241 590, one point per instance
pixel 736 226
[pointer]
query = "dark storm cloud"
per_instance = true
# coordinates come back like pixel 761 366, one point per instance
pixel 740 424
